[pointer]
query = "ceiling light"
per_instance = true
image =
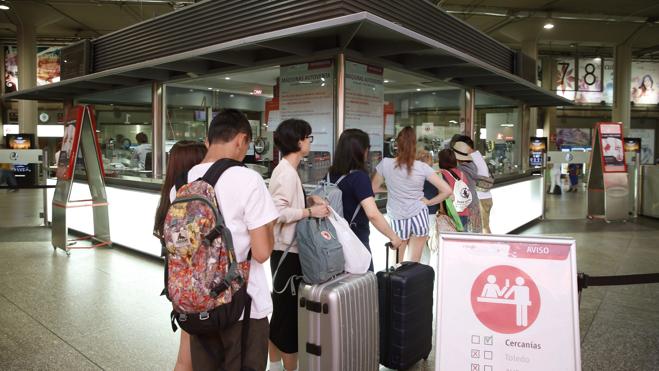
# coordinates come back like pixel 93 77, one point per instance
pixel 4 6
pixel 210 88
pixel 417 89
pixel 598 59
pixel 386 81
pixel 227 78
pixel 548 26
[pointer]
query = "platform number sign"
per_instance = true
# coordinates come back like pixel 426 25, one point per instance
pixel 586 76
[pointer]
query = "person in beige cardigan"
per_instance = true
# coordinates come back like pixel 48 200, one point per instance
pixel 293 139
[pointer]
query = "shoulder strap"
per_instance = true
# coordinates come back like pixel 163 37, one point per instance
pixel 340 179
pixel 354 215
pixel 218 168
pixel 454 174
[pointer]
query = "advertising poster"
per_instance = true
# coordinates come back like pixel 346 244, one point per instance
pixel 647 144
pixel 645 75
pixel 307 93
pixel 364 99
pixel 48 67
pixel 68 153
pixel 26 174
pixel 570 137
pixel 613 154
pixel 632 145
pixel 11 69
pixel 537 150
pixel 507 303
pixel 389 117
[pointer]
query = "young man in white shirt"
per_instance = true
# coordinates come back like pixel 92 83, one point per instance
pixel 249 213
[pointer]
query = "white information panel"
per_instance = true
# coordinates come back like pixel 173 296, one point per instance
pixel 307 93
pixel 364 97
pixel 507 303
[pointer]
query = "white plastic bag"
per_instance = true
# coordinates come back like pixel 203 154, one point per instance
pixel 356 255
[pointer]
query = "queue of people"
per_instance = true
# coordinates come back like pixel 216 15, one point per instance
pixel 262 223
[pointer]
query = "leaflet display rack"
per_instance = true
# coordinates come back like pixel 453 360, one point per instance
pixel 80 148
pixel 608 186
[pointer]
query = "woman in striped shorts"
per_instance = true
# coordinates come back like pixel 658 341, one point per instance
pixel 407 209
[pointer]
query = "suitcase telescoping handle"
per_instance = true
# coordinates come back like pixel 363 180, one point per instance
pixel 389 246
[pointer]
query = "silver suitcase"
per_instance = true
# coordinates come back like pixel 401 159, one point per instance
pixel 338 324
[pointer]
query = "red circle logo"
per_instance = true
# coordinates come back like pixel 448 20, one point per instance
pixel 505 299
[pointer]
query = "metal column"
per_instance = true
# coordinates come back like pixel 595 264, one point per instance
pixel 157 104
pixel 340 95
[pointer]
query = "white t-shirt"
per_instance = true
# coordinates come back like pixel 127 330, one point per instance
pixel 405 191
pixel 140 153
pixel 245 204
pixel 482 170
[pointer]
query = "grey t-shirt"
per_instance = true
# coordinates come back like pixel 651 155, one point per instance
pixel 405 190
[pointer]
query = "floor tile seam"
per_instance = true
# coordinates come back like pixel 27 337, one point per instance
pixel 585 335
pixel 52 332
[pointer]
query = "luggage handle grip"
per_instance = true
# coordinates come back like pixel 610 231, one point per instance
pixel 389 246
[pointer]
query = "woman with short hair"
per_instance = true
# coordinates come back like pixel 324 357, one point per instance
pixel 293 139
pixel 407 208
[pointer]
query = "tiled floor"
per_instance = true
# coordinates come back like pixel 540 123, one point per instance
pixel 101 310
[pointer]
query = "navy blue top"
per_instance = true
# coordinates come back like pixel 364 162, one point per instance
pixel 430 191
pixel 355 188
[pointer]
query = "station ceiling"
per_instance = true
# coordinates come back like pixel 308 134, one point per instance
pixel 590 26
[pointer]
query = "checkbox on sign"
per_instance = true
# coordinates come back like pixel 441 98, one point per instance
pixel 475 353
pixel 489 340
pixel 487 354
pixel 487 368
pixel 475 367
pixel 475 339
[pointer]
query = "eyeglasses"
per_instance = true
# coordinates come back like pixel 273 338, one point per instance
pixel 310 138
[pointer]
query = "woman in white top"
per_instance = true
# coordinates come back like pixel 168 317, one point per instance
pixel 293 139
pixel 407 209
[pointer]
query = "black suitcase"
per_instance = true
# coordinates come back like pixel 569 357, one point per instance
pixel 405 302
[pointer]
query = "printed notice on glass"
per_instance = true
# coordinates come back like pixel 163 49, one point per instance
pixel 613 153
pixel 364 99
pixel 507 303
pixel 307 93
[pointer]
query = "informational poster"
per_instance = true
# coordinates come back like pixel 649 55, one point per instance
pixel 613 154
pixel 389 119
pixel 364 99
pixel 307 93
pixel 645 75
pixel 507 303
pixel 647 144
pixel 272 114
pixel 537 150
pixel 67 156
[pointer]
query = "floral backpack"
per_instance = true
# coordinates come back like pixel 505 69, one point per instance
pixel 205 283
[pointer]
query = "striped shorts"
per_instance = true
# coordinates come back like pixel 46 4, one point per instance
pixel 417 225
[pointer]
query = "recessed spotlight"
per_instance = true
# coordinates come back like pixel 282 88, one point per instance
pixel 227 78
pixel 231 96
pixel 210 88
pixel 4 6
pixel 417 89
pixel 597 59
pixel 386 81
pixel 548 25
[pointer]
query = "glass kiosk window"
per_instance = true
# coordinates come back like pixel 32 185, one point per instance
pixel 498 127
